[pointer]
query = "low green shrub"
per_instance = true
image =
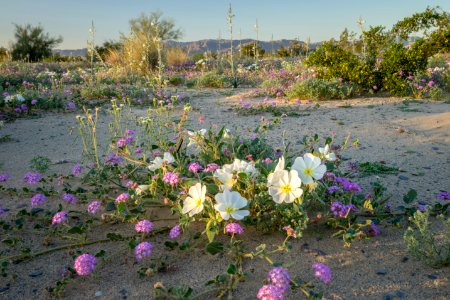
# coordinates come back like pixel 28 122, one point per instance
pixel 319 89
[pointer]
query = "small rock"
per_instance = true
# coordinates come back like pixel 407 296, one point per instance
pixel 400 294
pixel 435 148
pixel 405 259
pixel 4 289
pixel 305 247
pixel 98 293
pixel 35 274
pixel 431 276
pixel 21 205
pixel 381 272
pixel 388 296
pixel 123 291
pixel 402 177
pixel 320 252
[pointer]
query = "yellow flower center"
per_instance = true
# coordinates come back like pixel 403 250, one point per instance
pixel 286 188
pixel 230 210
pixel 199 202
pixel 308 171
pixel 230 182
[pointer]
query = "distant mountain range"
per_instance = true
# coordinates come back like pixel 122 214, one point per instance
pixel 202 46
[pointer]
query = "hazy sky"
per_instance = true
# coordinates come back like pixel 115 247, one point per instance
pixel 200 19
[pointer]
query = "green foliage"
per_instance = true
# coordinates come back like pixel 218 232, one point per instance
pixel 426 245
pixel 32 44
pixel 319 89
pixel 250 51
pixel 375 168
pixel 40 164
pixel 212 80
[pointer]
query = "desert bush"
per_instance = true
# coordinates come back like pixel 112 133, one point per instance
pixel 319 89
pixel 212 80
pixel 424 244
pixel 32 44
pixel 176 56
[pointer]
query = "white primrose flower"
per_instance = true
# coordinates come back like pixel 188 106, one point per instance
pixel 326 154
pixel 285 186
pixel 229 205
pixel 279 167
pixel 195 135
pixel 142 188
pixel 226 177
pixel 193 204
pixel 158 162
pixel 309 167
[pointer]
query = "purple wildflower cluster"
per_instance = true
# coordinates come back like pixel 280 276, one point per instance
pixel 175 231
pixel 270 292
pixel 280 278
pixel 59 218
pixel 37 200
pixel 113 159
pixel 144 226
pixel 124 141
pixel 211 168
pixel 323 272
pixel 32 178
pixel 122 197
pixel 4 177
pixel 142 250
pixel 85 264
pixel 77 170
pixel 171 178
pixel 70 198
pixel 341 210
pixel 234 228
pixel 194 167
pixel 93 207
pixel 348 186
pixel 443 196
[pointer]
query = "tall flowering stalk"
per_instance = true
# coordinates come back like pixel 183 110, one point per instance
pixel 230 26
pixel 88 132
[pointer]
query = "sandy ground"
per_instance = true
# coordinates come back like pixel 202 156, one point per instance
pixel 414 136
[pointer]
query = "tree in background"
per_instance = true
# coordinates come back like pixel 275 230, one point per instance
pixel 249 50
pixel 142 48
pixel 4 54
pixel 32 44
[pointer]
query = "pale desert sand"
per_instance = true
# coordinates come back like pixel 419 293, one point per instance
pixel 414 137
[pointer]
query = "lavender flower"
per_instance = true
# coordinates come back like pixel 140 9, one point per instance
pixel 142 250
pixel 85 264
pixel 70 198
pixel 194 167
pixel 333 189
pixel 440 196
pixel 170 178
pixel 234 228
pixel 421 207
pixel 59 218
pixel 144 226
pixel 341 210
pixel 4 177
pixel 138 150
pixel 323 272
pixel 280 277
pixel 270 292
pixel 122 142
pixel 93 207
pixel 34 102
pixel 211 167
pixel 122 197
pixel 130 132
pixel 37 200
pixel 374 229
pixel 114 159
pixel 175 231
pixel 77 170
pixel 71 105
pixel 32 178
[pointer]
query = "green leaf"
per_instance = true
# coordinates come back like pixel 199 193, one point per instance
pixel 114 236
pixel 214 248
pixel 101 253
pixel 185 245
pixel 231 269
pixel 410 196
pixel 171 244
pixel 76 230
